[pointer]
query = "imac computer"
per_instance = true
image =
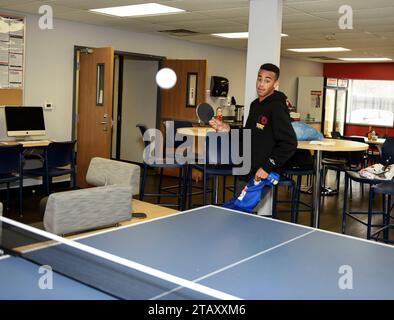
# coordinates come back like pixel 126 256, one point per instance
pixel 24 121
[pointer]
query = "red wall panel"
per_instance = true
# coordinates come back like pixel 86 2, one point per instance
pixel 367 71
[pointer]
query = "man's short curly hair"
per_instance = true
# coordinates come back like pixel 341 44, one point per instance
pixel 271 67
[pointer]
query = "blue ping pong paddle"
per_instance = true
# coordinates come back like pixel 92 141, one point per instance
pixel 205 112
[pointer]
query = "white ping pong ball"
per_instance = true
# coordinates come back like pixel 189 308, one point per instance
pixel 166 78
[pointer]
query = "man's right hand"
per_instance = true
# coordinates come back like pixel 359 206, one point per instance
pixel 218 125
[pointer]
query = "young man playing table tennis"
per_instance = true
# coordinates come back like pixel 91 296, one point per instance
pixel 273 138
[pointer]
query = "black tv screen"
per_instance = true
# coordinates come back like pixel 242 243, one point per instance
pixel 24 119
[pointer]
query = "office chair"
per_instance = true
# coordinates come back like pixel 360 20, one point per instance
pixel 386 189
pixel 216 164
pixel 336 135
pixel 387 158
pixel 162 164
pixel 11 170
pixel 56 156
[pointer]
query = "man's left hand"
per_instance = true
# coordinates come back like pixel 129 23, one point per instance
pixel 261 174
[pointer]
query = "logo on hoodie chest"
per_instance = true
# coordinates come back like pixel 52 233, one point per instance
pixel 262 122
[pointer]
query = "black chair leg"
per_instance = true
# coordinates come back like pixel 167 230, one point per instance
pixel 21 197
pixel 160 185
pixel 297 195
pixel 7 203
pixel 204 188
pixel 142 187
pixel 235 185
pixel 294 202
pixel 180 187
pixel 73 180
pixel 370 212
pixel 50 185
pixel 345 199
pixel 386 215
pixel 190 186
pixel 224 189
pixel 46 184
pixel 184 186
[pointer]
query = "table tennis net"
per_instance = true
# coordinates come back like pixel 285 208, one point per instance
pixel 112 275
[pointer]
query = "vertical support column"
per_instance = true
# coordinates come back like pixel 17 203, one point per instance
pixel 265 28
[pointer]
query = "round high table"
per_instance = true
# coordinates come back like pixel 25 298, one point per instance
pixel 330 145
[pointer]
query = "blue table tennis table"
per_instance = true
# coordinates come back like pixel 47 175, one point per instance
pixel 243 255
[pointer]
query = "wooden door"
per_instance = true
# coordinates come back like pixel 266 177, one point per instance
pixel 173 101
pixel 95 103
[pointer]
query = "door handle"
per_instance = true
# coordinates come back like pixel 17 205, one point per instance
pixel 105 122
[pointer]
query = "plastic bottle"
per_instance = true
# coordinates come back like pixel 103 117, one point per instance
pixel 370 133
pixel 373 134
pixel 219 114
pixel 232 109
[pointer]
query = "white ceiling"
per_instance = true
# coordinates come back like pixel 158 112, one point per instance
pixel 307 22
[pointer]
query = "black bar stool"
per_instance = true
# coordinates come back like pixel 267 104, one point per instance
pixel 386 189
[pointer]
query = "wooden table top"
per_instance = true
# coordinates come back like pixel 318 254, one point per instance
pixel 195 131
pixel 27 143
pixel 333 145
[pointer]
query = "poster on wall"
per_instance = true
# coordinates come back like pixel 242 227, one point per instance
pixel 11 52
pixel 17 28
pixel 15 78
pixel 316 98
pixel 332 82
pixel 4 52
pixel 4 76
pixel 4 30
pixel 342 83
pixel 15 61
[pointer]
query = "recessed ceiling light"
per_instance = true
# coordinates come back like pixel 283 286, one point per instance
pixel 238 35
pixel 331 49
pixel 366 59
pixel 138 10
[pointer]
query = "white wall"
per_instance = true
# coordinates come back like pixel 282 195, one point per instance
pixel 290 70
pixel 305 104
pixel 139 103
pixel 49 63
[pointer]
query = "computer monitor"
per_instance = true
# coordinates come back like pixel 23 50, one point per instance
pixel 24 121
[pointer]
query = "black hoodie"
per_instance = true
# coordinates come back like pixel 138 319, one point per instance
pixel 273 138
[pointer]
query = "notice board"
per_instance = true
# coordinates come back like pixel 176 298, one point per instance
pixel 12 59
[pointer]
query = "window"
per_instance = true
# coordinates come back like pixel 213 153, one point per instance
pixel 371 102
